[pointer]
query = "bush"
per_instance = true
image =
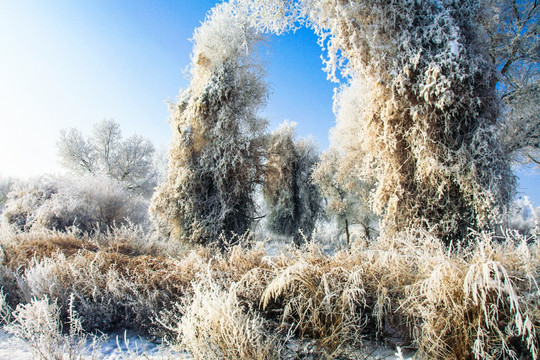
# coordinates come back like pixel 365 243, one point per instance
pixel 38 324
pixel 217 325
pixel 89 204
pixel 6 185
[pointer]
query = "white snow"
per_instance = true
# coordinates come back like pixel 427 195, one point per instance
pixel 118 346
pixel 454 48
pixel 129 345
pixel 12 348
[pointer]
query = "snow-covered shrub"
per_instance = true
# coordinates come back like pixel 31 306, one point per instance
pixel 88 203
pixel 6 185
pixel 216 325
pixel 216 152
pixel 23 200
pixel 39 324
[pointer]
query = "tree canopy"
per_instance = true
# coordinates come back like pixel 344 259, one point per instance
pixel 129 161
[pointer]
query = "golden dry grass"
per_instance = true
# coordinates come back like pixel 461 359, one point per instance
pixel 478 301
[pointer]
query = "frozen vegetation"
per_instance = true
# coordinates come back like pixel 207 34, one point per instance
pixel 403 239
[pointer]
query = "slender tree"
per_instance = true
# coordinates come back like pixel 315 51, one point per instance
pixel 347 198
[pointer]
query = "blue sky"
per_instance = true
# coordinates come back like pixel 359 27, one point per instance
pixel 71 63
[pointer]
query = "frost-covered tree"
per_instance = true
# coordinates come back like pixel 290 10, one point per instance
pixel 426 131
pixel 129 161
pixel 347 198
pixel 216 152
pixel 292 199
pixel 514 29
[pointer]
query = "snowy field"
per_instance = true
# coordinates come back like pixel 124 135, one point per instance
pixel 119 346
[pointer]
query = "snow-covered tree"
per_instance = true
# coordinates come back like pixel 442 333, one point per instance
pixel 347 198
pixel 292 199
pixel 514 29
pixel 426 130
pixel 215 156
pixel 129 161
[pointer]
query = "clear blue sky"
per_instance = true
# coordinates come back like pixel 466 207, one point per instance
pixel 71 63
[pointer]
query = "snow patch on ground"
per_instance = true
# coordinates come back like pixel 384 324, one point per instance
pixel 118 346
pixel 128 345
pixel 12 348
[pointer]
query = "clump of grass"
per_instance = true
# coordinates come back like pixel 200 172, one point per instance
pixel 320 302
pixel 38 323
pixel 216 325
pixel 336 299
pixel 110 291
pixel 20 248
pixel 479 301
pixel 482 301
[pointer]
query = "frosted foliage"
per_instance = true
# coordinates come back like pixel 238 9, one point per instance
pixel 524 218
pixel 521 133
pixel 129 161
pixel 426 125
pixel 215 153
pixel 514 31
pixel 271 16
pixel 346 196
pixel 292 199
pixel 280 187
pixel 39 324
pixel 217 324
pixel 88 203
pixel 6 184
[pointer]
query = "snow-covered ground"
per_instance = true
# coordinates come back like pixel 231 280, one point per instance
pixel 117 347
pixel 124 346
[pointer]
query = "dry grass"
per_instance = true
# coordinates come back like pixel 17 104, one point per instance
pixel 480 301
pixel 483 301
pixel 476 302
pixel 216 324
pixel 39 324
